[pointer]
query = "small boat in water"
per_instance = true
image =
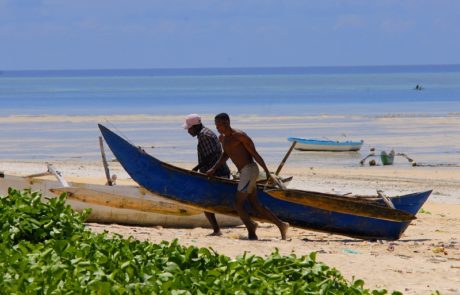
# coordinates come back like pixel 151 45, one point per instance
pixel 387 158
pixel 363 217
pixel 304 144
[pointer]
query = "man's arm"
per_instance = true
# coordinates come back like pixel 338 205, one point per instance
pixel 223 158
pixel 251 148
pixel 203 162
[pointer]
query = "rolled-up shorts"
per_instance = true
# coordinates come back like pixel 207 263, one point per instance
pixel 248 178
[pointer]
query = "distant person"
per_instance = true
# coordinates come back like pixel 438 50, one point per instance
pixel 209 152
pixel 240 148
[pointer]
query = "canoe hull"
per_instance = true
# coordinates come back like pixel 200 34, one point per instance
pixel 178 215
pixel 325 145
pixel 218 195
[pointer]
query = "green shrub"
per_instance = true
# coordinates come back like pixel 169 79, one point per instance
pixel 23 216
pixel 63 258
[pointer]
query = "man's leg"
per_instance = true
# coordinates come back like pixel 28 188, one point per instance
pixel 215 226
pixel 212 218
pixel 239 206
pixel 259 207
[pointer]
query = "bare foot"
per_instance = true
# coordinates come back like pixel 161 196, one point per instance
pixel 283 229
pixel 215 234
pixel 252 237
pixel 252 233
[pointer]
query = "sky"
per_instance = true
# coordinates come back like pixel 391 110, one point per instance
pixel 142 34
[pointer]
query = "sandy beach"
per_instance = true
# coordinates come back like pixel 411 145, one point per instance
pixel 425 259
pixel 382 73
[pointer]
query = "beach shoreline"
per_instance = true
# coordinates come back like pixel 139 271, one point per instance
pixel 425 259
pixel 362 180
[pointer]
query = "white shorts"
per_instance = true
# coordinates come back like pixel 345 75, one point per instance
pixel 248 178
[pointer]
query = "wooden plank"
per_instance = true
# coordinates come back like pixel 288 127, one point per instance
pixel 122 202
pixel 341 205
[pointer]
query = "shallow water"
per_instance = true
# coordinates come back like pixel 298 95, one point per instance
pixel 428 140
pixel 53 115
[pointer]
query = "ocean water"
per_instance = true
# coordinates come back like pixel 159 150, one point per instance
pixel 46 115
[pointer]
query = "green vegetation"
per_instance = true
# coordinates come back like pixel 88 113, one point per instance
pixel 423 211
pixel 45 249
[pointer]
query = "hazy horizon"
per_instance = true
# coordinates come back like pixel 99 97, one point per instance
pixel 408 66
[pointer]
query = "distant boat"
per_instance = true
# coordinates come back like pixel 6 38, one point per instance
pixel 387 159
pixel 304 144
pixel 418 87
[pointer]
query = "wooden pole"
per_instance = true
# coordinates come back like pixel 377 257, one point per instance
pixel 104 162
pixel 386 199
pixel 274 177
pixel 285 158
pixel 58 175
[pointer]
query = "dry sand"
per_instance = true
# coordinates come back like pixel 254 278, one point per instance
pixel 425 259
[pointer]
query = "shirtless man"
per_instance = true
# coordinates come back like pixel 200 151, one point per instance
pixel 241 150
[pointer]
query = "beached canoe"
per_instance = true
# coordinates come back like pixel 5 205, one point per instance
pixel 366 218
pixel 121 204
pixel 304 144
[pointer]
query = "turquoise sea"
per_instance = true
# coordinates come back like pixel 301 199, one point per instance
pixel 46 115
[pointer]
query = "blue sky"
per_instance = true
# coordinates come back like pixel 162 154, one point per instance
pixel 108 34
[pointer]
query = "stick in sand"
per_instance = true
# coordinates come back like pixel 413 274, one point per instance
pixel 104 162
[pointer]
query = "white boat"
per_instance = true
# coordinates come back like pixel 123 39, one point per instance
pixel 304 144
pixel 121 204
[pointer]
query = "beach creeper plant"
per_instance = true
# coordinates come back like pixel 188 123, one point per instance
pixel 45 249
pixel 24 216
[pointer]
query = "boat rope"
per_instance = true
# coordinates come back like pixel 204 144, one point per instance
pixel 157 147
pixel 119 131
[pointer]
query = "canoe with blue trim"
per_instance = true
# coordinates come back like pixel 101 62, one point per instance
pixel 304 144
pixel 303 209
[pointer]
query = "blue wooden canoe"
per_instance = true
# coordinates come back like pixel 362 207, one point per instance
pixel 355 217
pixel 304 144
